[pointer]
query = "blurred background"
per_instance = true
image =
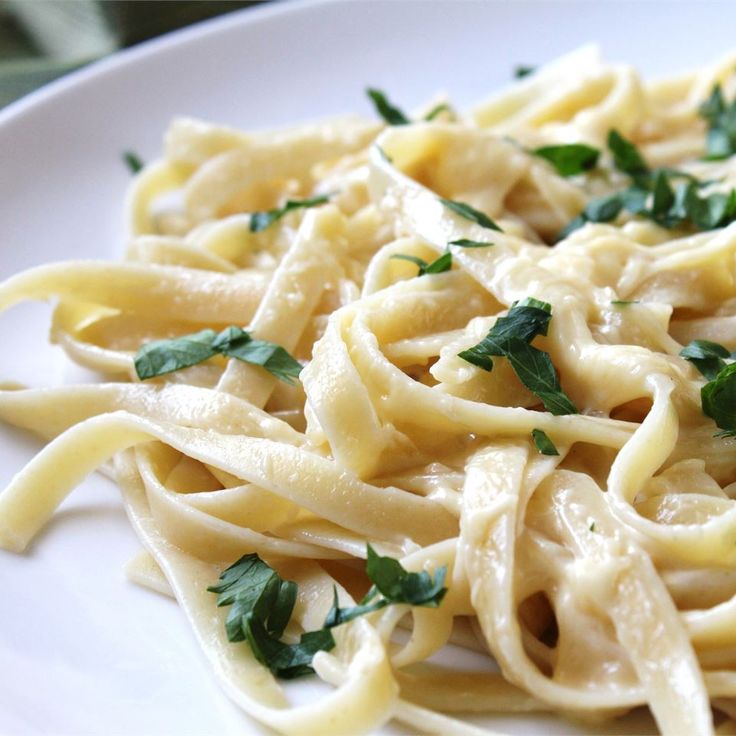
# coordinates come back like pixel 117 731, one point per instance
pixel 43 39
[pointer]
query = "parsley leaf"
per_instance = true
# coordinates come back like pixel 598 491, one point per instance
pixel 718 398
pixel 261 220
pixel 571 159
pixel 398 585
pixel 663 197
pixel 465 243
pixel 436 110
pixel 234 342
pixel 525 321
pixel 706 356
pixel 395 585
pixel 543 443
pixel 626 156
pixel 261 606
pixel 535 370
pixel 133 161
pixel 337 615
pixel 523 71
pixel 165 356
pixel 442 263
pixel 624 302
pixel 510 337
pixel 392 115
pixel 601 209
pixel 721 119
pixel 439 265
pixel 286 661
pixel 253 588
pixel 470 213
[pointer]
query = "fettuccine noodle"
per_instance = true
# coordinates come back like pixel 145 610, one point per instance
pixel 599 579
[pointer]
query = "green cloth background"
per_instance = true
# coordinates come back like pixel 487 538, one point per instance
pixel 41 40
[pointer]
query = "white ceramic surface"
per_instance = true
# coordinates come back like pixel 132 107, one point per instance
pixel 81 650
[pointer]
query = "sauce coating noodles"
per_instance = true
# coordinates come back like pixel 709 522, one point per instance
pixel 600 578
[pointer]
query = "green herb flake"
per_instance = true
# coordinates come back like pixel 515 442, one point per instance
pixel 470 213
pixel 569 160
pixel 543 443
pixel 252 588
pixel 626 156
pixel 663 197
pixel 601 209
pixel 592 526
pixel 465 243
pixel 624 302
pixel 261 220
pixel 718 398
pixel 384 155
pixel 392 115
pixel 234 342
pixel 721 119
pixel 525 320
pixel 510 337
pixel 706 356
pixel 439 265
pixel 133 161
pixel 437 110
pixel 522 71
pixel 165 356
pixel 535 370
pixel 391 584
pixel 287 661
pixel 261 606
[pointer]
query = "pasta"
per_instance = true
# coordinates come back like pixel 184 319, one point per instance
pixel 569 502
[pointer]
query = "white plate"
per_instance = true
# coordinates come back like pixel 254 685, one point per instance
pixel 82 650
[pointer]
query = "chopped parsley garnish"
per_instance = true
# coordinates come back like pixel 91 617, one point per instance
pixel 706 356
pixel 523 71
pixel 601 209
pixel 626 156
pixel 261 220
pixel 262 604
pixel 525 321
pixel 391 584
pixel 721 119
pixel 543 443
pixel 535 370
pixel 465 243
pixel 439 265
pixel 436 110
pixel 444 262
pixel 592 526
pixel 133 161
pixel 384 155
pixel 666 196
pixel 510 337
pixel 392 115
pixel 624 302
pixel 261 607
pixel 718 398
pixel 470 213
pixel 571 159
pixel 165 356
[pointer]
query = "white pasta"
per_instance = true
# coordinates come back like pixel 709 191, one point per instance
pixel 600 579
